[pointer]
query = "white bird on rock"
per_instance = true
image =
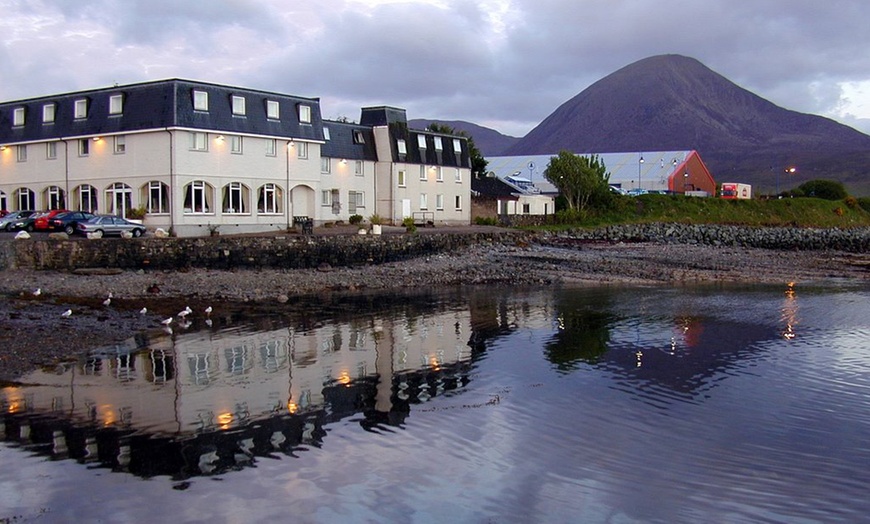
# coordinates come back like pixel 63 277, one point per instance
pixel 167 321
pixel 143 311
pixel 184 312
pixel 37 292
pixel 107 301
pixel 67 313
pixel 208 310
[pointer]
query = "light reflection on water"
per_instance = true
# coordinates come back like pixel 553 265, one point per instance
pixel 591 404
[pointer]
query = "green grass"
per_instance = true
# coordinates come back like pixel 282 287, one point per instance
pixel 800 212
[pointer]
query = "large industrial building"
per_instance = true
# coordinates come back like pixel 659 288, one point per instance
pixel 201 157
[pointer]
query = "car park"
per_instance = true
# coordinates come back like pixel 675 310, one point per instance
pixel 7 222
pixel 68 221
pixel 26 223
pixel 105 225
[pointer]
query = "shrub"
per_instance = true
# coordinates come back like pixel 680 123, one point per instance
pixel 851 202
pixel 486 221
pixel 137 213
pixel 355 220
pixel 376 219
pixel 825 189
pixel 409 224
pixel 864 202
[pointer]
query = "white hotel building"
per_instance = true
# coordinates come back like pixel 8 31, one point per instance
pixel 199 157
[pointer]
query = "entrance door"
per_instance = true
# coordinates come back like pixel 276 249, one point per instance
pixel 406 207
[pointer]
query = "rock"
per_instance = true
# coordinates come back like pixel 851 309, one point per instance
pixel 58 236
pixel 160 233
pixel 22 235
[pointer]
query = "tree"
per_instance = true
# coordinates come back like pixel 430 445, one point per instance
pixel 826 189
pixel 478 163
pixel 582 180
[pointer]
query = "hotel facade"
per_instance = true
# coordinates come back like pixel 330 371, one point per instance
pixel 200 157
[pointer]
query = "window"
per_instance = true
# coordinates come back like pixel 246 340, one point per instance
pixel 457 146
pixel 302 149
pixel 439 174
pixel 238 105
pixel 269 199
pixel 157 198
pixel 423 173
pixel 458 202
pixel 304 114
pixel 401 178
pixel 439 202
pixel 18 116
pixel 21 153
pixel 271 147
pixel 326 133
pixel 3 203
pixel 421 141
pixel 402 147
pixel 198 141
pixel 84 147
pixel 526 209
pixel 236 144
pixel 116 104
pixel 26 199
pixel 355 200
pixel 326 197
pixel 48 111
pixel 85 198
pixel 424 201
pixel 235 198
pixel 438 146
pixel 273 110
pixel 200 100
pixel 358 167
pixel 51 150
pixel 120 144
pixel 54 198
pixel 358 137
pixel 458 175
pixel 119 199
pixel 81 108
pixel 197 197
pixel 325 164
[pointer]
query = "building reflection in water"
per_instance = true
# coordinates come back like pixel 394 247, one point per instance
pixel 203 402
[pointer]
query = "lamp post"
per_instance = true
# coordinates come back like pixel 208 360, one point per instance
pixel 788 171
pixel 639 165
pixel 686 182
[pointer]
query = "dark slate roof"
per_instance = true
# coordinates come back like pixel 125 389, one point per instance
pixel 382 116
pixel 493 187
pixel 344 141
pixel 157 105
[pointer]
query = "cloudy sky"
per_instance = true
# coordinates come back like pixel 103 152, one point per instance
pixel 504 64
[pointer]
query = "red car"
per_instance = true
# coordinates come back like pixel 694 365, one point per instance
pixel 42 222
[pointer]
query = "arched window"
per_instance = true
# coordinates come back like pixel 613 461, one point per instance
pixel 26 199
pixel 236 198
pixel 4 205
pixel 270 199
pixel 155 194
pixel 85 198
pixel 119 198
pixel 54 198
pixel 198 197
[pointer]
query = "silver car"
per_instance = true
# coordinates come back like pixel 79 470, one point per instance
pixel 7 222
pixel 102 225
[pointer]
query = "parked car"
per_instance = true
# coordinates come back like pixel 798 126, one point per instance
pixel 25 223
pixel 40 223
pixel 101 225
pixel 68 221
pixel 7 222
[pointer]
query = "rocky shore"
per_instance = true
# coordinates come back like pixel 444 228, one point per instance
pixel 33 330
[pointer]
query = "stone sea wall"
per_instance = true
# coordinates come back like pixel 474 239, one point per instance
pixel 290 251
pixel 856 240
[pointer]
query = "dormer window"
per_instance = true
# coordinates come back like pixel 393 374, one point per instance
pixel 116 104
pixel 304 114
pixel 438 146
pixel 457 146
pixel 421 141
pixel 326 133
pixel 81 108
pixel 48 111
pixel 18 116
pixel 238 105
pixel 358 137
pixel 272 110
pixel 200 100
pixel 402 147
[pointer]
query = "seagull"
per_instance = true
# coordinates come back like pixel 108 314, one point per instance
pixel 107 301
pixel 143 311
pixel 37 292
pixel 208 310
pixel 184 312
pixel 67 313
pixel 167 321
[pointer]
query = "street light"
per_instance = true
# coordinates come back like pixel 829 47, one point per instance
pixel 639 165
pixel 788 171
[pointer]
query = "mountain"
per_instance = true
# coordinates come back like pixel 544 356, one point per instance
pixel 489 141
pixel 672 102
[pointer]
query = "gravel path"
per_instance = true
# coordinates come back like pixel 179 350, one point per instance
pixel 33 330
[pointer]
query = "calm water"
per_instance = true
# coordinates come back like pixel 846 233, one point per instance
pixel 495 405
